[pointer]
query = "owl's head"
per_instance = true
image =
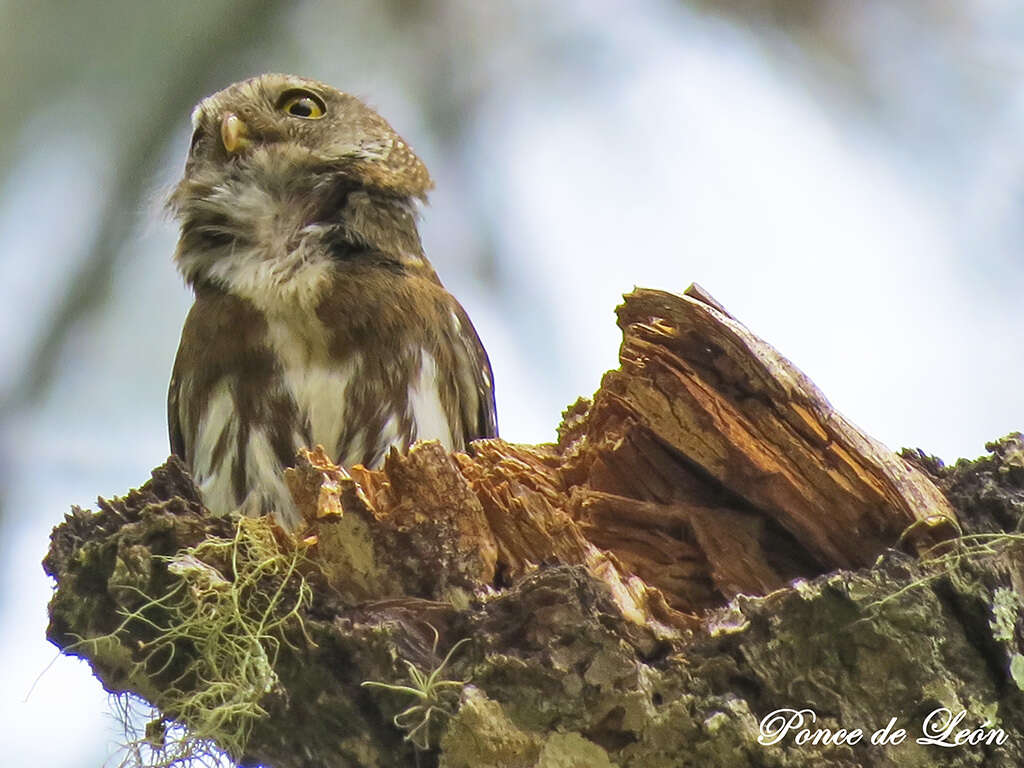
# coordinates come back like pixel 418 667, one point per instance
pixel 284 174
pixel 282 120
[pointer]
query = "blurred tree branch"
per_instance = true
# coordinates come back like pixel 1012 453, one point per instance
pixel 218 31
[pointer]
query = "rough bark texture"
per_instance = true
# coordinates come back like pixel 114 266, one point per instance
pixel 707 542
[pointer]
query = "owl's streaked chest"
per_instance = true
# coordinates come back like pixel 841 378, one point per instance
pixel 265 384
pixel 335 385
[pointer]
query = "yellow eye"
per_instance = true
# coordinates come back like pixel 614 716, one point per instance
pixel 304 104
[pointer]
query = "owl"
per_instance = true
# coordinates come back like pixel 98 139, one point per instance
pixel 318 320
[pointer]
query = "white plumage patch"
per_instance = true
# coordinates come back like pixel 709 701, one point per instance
pixel 319 393
pixel 263 470
pixel 268 489
pixel 389 434
pixel 315 382
pixel 214 482
pixel 425 407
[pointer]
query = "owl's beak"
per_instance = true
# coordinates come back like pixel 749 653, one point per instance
pixel 234 133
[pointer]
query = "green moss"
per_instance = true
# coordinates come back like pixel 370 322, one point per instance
pixel 1006 605
pixel 1017 670
pixel 214 634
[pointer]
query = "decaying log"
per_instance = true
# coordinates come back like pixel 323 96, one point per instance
pixel 704 417
pixel 605 586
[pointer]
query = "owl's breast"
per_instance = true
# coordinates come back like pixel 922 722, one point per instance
pixel 313 379
pixel 356 395
pixel 253 387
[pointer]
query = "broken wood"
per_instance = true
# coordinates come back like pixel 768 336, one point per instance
pixel 706 467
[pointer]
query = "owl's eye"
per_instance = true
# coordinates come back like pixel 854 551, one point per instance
pixel 304 104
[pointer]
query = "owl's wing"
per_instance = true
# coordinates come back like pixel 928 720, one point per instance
pixel 174 418
pixel 474 380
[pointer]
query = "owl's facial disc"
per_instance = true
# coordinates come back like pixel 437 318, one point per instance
pixel 234 133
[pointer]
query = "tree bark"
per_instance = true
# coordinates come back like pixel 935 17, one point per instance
pixel 708 542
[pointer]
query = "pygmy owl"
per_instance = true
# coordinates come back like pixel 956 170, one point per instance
pixel 317 318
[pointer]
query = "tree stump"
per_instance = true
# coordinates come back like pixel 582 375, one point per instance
pixel 708 542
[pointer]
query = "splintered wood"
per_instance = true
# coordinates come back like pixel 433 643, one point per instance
pixel 707 465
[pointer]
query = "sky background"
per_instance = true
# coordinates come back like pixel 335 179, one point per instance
pixel 847 179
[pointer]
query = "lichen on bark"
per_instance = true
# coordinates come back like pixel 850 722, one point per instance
pixel 708 542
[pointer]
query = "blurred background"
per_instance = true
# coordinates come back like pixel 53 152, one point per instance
pixel 846 178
